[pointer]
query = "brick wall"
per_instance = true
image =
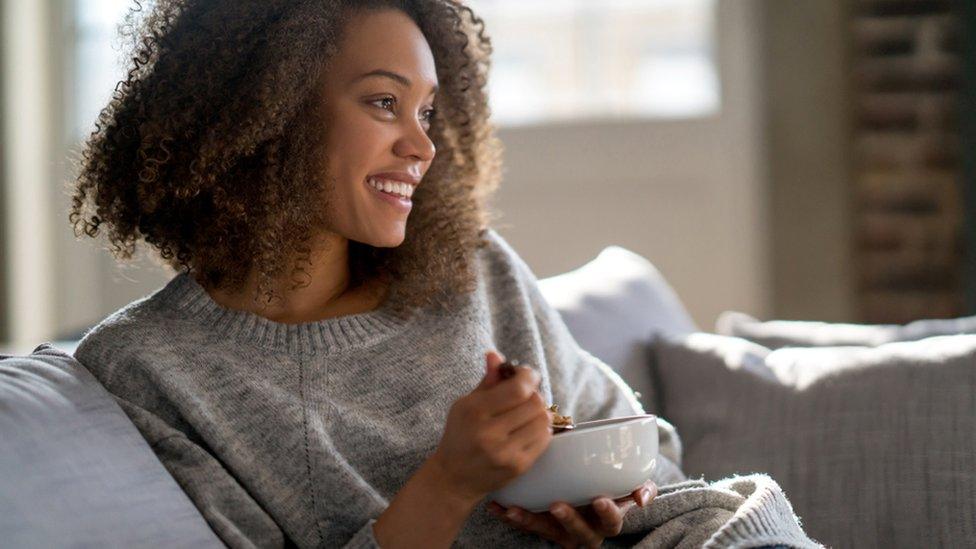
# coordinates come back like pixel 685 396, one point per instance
pixel 908 200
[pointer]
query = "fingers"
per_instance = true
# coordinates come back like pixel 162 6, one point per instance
pixel 625 503
pixel 493 360
pixel 610 516
pixel 525 412
pixel 575 525
pixel 511 392
pixel 538 444
pixel 645 493
pixel 571 530
pixel 537 431
pixel 542 524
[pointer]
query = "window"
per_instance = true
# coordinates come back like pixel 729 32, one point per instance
pixel 97 61
pixel 564 59
pixel 553 59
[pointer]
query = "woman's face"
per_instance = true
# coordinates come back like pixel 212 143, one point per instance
pixel 378 97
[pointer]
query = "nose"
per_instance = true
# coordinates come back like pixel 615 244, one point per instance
pixel 415 142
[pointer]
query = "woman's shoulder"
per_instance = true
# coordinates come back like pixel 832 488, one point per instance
pixel 506 277
pixel 137 327
pixel 501 257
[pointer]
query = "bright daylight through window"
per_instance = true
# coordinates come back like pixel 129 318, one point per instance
pixel 553 59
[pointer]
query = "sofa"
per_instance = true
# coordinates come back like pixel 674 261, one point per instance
pixel 869 429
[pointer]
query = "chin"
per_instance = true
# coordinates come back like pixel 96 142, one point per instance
pixel 389 240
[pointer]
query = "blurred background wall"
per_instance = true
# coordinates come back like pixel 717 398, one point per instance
pixel 785 158
pixel 907 76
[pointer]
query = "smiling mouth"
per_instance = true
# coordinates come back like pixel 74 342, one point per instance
pixel 393 188
pixel 399 202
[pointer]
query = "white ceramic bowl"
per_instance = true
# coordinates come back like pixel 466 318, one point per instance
pixel 606 457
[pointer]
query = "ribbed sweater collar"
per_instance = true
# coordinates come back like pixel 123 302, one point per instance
pixel 185 294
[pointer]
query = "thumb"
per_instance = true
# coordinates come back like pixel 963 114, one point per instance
pixel 493 360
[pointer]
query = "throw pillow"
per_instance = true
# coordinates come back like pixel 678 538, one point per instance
pixel 874 446
pixel 802 333
pixel 613 306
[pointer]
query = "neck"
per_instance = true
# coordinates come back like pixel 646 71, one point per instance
pixel 328 293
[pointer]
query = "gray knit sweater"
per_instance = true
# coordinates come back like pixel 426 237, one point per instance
pixel 300 434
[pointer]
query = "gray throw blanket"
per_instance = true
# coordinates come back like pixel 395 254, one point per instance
pixel 739 511
pixel 742 511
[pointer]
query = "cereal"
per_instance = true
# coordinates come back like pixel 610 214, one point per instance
pixel 558 420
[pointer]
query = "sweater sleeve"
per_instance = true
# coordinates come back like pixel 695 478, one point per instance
pixel 585 387
pixel 229 509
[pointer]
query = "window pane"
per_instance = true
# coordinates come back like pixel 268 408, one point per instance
pixel 98 66
pixel 564 59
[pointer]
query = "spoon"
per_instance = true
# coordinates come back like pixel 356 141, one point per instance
pixel 507 370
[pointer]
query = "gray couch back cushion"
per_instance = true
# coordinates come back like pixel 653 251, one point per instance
pixel 808 333
pixel 874 446
pixel 614 305
pixel 75 472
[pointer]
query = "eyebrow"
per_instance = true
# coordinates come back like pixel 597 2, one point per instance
pixel 392 76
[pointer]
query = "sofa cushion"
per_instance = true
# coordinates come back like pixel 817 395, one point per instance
pixel 803 333
pixel 613 306
pixel 873 445
pixel 74 471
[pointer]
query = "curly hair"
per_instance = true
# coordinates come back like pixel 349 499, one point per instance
pixel 211 152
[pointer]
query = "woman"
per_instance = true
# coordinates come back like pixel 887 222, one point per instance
pixel 321 372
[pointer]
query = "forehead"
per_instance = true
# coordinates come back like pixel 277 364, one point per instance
pixel 387 40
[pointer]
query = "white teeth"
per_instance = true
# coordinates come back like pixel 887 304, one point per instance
pixel 404 190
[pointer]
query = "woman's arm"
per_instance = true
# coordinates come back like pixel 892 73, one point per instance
pixel 583 386
pixel 424 513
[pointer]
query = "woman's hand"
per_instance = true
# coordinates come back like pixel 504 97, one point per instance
pixel 586 526
pixel 494 433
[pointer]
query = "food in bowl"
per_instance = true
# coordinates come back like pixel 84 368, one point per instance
pixel 558 420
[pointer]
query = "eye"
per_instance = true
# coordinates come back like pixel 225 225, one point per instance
pixel 429 113
pixel 390 99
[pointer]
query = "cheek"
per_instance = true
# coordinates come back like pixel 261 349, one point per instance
pixel 364 135
pixel 359 153
pixel 357 144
